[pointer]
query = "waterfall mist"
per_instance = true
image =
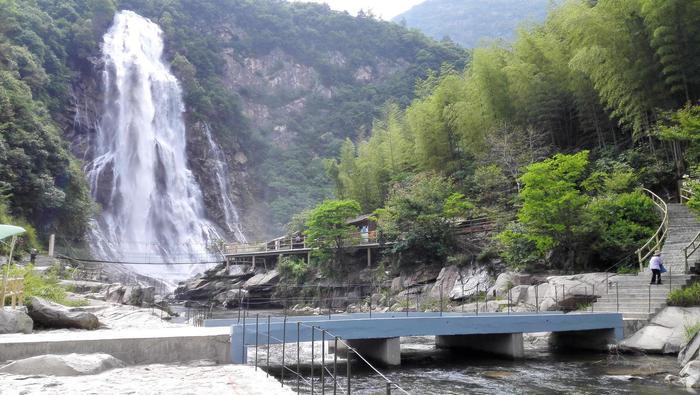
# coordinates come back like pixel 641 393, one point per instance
pixel 152 209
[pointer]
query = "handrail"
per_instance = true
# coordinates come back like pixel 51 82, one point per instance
pixel 655 241
pixel 354 351
pixel 685 190
pixel 692 246
pixel 685 194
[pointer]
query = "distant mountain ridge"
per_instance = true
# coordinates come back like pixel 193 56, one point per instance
pixel 467 22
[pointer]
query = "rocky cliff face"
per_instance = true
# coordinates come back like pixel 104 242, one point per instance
pixel 275 96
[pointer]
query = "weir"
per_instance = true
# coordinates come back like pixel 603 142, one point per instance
pixel 378 335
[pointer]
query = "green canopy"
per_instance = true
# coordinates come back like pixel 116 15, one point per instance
pixel 10 230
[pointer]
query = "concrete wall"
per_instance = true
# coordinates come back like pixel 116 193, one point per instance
pixel 133 350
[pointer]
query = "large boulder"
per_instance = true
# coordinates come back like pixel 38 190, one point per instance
pixel 504 282
pixel 446 280
pixel 665 334
pixel 690 374
pixel 63 365
pixel 15 321
pixel 115 293
pixel 690 351
pixel 469 281
pixel 421 276
pixel 53 315
pixel 262 280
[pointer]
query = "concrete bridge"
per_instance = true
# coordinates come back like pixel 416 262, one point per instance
pixel 377 336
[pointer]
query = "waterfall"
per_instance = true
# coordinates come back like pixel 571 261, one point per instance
pixel 152 209
pixel 221 173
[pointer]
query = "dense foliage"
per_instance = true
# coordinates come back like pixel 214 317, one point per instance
pixel 470 22
pixel 419 218
pixel 612 78
pixel 40 182
pixel 45 45
pixel 329 235
pixel 686 297
pixel 577 212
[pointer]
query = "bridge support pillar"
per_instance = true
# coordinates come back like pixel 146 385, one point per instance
pixel 592 340
pixel 503 344
pixel 386 351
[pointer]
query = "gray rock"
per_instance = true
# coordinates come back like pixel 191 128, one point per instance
pixel 445 282
pixel 665 334
pixel 421 276
pixel 470 280
pixel 690 350
pixel 63 365
pixel 15 321
pixel 519 294
pixel 690 374
pixel 504 282
pixel 53 315
pixel 114 293
pixel 262 279
pixel 132 295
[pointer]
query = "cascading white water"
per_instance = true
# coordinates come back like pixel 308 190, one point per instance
pixel 152 208
pixel 221 174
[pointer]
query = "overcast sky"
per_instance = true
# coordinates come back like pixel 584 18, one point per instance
pixel 386 9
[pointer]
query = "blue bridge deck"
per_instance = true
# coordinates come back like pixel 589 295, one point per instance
pixel 361 326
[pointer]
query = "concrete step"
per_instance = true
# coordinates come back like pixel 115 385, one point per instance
pixel 628 306
pixel 654 299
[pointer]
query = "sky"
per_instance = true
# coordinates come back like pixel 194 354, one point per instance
pixel 386 9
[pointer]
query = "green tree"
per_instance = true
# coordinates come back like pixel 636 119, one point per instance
pixel 329 234
pixel 418 219
pixel 553 208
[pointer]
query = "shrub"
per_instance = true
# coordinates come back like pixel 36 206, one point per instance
pixel 691 331
pixel 689 296
pixel 43 286
pixel 293 270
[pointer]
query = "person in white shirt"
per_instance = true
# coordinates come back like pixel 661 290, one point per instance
pixel 655 266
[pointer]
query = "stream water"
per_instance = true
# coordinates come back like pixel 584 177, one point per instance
pixel 427 370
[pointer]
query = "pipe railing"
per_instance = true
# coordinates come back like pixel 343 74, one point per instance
pixel 690 249
pixel 657 239
pixel 324 379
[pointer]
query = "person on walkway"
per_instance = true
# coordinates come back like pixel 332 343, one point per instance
pixel 655 266
pixel 32 255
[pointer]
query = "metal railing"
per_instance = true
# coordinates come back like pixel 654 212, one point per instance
pixel 323 379
pixel 654 243
pixel 324 376
pixel 690 249
pixel 295 243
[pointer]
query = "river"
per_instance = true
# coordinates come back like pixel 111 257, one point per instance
pixel 427 370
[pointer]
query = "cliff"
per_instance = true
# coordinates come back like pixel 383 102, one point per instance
pixel 277 86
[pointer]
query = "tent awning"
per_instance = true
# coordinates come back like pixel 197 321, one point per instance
pixel 10 230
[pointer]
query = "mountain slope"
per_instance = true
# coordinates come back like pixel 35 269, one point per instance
pixel 279 85
pixel 466 22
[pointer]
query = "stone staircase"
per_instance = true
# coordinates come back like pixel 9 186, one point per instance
pixel 632 295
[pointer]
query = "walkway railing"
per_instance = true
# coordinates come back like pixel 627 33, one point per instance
pixel 321 380
pixel 357 239
pixel 690 249
pixel 656 241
